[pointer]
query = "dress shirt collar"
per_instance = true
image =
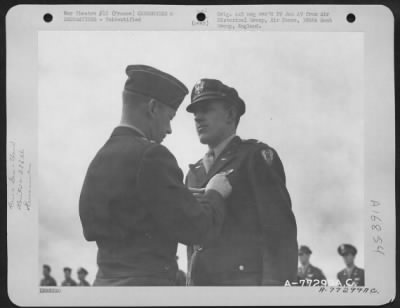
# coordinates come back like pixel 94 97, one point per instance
pixel 220 147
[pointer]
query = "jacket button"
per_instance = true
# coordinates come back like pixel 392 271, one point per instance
pixel 241 267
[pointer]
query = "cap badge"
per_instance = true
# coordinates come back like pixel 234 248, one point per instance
pixel 199 87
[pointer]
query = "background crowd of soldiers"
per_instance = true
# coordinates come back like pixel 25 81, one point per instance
pixel 68 281
pixel 307 275
pixel 233 210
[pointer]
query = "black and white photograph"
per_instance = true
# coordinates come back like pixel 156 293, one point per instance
pixel 212 158
pixel 287 122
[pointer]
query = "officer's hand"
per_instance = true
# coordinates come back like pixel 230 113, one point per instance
pixel 197 191
pixel 220 183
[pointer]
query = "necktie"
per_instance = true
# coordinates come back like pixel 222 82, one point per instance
pixel 208 160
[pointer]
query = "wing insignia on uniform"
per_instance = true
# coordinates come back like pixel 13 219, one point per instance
pixel 268 156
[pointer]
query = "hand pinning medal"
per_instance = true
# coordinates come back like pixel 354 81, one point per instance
pixel 227 172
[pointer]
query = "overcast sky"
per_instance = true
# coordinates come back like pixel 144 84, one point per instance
pixel 303 93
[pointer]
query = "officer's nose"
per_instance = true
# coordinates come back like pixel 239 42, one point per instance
pixel 169 128
pixel 198 116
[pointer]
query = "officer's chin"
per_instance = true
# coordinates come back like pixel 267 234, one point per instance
pixel 158 140
pixel 203 138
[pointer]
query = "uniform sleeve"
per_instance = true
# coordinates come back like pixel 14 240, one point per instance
pixel 276 218
pixel 172 205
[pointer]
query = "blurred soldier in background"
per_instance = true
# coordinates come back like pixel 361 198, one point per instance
pixel 82 273
pixel 133 201
pixel 311 274
pixel 258 242
pixel 68 281
pixel 351 275
pixel 47 280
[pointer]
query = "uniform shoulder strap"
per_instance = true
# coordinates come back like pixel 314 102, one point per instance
pixel 255 143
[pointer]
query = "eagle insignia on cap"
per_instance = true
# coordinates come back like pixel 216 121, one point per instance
pixel 199 87
pixel 268 156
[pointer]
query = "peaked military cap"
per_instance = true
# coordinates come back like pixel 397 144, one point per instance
pixel 82 270
pixel 67 269
pixel 151 82
pixel 305 250
pixel 345 249
pixel 210 89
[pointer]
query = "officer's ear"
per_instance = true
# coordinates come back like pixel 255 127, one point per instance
pixel 152 107
pixel 233 115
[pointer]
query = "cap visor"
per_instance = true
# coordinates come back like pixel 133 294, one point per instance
pixel 203 98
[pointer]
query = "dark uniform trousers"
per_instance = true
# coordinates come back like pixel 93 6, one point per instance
pixel 135 206
pixel 258 241
pixel 356 278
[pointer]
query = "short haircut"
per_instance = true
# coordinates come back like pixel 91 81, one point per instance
pixel 47 267
pixel 129 97
pixel 132 99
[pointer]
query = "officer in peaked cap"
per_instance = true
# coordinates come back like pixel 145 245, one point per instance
pixel 258 241
pixel 212 89
pixel 133 201
pixel 351 275
pixel 304 250
pixel 308 274
pixel 82 273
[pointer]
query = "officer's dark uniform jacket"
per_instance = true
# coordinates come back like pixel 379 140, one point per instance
pixel 135 206
pixel 356 277
pixel 48 281
pixel 69 283
pixel 258 240
pixel 311 273
pixel 83 283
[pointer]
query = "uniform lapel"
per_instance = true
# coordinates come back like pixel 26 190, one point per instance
pixel 222 160
pixel 309 269
pixel 354 273
pixel 198 174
